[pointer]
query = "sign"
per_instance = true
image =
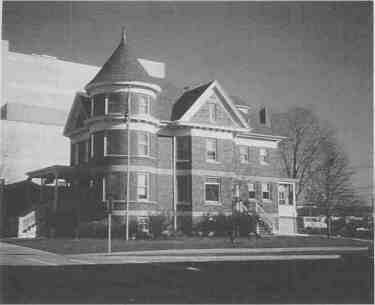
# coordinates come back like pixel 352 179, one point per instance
pixel 27 226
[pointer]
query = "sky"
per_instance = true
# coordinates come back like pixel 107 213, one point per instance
pixel 315 54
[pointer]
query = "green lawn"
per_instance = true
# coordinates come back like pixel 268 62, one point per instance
pixel 75 246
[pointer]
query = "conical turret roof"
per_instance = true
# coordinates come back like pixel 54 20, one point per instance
pixel 122 66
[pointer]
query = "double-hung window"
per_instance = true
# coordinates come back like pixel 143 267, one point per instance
pixel 266 191
pixel 263 156
pixel 143 144
pixel 211 149
pixel 212 190
pixel 142 186
pixel 244 154
pixel 143 103
pixel 251 190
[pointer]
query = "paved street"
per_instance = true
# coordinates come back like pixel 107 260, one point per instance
pixel 13 255
pixel 278 275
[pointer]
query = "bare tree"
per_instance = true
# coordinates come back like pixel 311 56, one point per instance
pixel 300 151
pixel 331 182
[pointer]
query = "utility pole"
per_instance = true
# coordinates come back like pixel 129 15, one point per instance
pixel 128 118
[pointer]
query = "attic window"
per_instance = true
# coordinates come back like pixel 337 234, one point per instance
pixel 263 116
pixel 212 108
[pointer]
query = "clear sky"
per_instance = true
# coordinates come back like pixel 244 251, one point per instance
pixel 281 54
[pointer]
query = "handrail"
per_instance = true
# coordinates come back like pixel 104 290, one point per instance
pixel 263 214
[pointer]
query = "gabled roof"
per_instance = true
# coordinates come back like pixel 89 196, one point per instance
pixel 192 100
pixel 187 99
pixel 122 66
pixel 76 111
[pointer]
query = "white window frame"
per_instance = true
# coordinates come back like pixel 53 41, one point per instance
pixel 268 190
pixel 147 186
pixel 105 145
pixel 92 146
pixel 147 103
pixel 106 105
pixel 207 150
pixel 247 151
pixel 286 194
pixel 144 144
pixel 104 189
pixel 92 106
pixel 212 183
pixel 251 189
pixel 212 109
pixel 263 156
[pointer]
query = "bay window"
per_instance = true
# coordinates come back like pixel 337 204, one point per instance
pixel 142 186
pixel 143 143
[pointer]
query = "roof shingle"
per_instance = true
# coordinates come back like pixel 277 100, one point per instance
pixel 122 66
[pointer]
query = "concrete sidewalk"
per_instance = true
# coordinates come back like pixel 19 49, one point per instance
pixel 206 255
pixel 17 255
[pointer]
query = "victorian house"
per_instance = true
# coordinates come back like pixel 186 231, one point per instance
pixel 187 153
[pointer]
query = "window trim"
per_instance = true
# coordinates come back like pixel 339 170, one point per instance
pixel 268 191
pixel 291 185
pixel 92 145
pixel 212 110
pixel 263 156
pixel 148 144
pixel 148 104
pixel 254 190
pixel 147 176
pixel 216 151
pixel 218 202
pixel 248 154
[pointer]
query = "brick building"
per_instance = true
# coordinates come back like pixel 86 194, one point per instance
pixel 189 153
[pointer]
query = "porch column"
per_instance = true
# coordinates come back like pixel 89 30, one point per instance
pixel 56 193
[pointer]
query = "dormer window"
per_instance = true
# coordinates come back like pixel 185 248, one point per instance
pixel 212 108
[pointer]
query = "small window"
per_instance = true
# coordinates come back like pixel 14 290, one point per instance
pixel 142 186
pixel 143 144
pixel 251 190
pixel 212 190
pixel 263 155
pixel 212 108
pixel 263 116
pixel 211 149
pixel 266 191
pixel 244 154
